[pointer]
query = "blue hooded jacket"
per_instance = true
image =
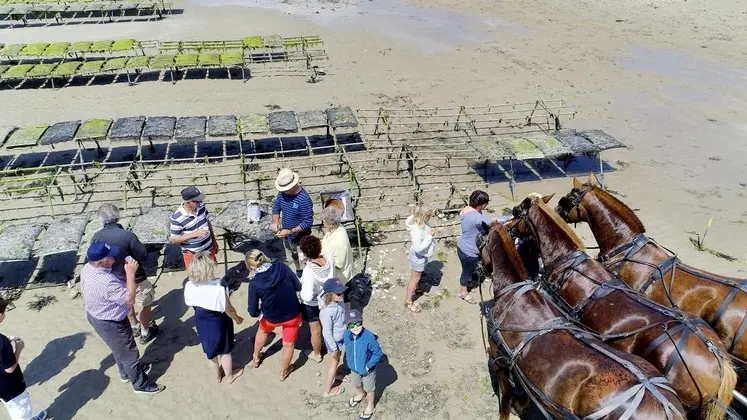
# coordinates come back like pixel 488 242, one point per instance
pixel 362 351
pixel 276 286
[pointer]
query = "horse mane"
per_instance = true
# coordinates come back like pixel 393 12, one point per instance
pixel 614 204
pixel 561 224
pixel 511 253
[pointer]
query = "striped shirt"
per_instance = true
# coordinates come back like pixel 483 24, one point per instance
pixel 295 210
pixel 183 222
pixel 104 295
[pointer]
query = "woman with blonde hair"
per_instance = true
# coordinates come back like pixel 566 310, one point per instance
pixel 421 250
pixel 213 314
pixel 272 297
pixel 336 243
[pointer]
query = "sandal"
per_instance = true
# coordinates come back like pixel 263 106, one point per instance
pixel 412 307
pixel 256 362
pixel 317 358
pixel 354 402
pixel 366 416
pixel 284 375
pixel 235 375
pixel 467 298
pixel 339 391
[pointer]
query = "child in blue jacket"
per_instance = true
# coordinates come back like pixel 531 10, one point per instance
pixel 363 354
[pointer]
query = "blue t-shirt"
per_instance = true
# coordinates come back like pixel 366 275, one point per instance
pixel 295 210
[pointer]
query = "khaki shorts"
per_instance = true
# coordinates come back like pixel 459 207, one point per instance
pixel 368 382
pixel 144 294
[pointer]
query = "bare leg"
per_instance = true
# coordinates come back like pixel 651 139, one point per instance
pixel 287 356
pixel 132 317
pixel 215 368
pixel 226 362
pixel 414 280
pixel 464 291
pixel 370 399
pixel 334 361
pixel 259 343
pixel 316 340
pixel 144 317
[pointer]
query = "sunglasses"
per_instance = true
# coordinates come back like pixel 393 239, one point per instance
pixel 355 325
pixel 340 294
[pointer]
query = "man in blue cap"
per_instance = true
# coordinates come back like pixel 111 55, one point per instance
pixel 108 301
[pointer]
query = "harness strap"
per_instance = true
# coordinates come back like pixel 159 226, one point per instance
pixel 675 354
pixel 724 305
pixel 647 384
pixel 632 247
pixel 658 273
pixel 662 338
pixel 738 335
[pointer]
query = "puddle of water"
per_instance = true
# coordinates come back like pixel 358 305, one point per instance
pixel 432 30
pixel 679 66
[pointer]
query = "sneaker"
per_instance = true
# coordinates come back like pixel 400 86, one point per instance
pixel 124 380
pixel 41 416
pixel 150 389
pixel 152 332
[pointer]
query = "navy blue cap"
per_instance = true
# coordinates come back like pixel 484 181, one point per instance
pixel 99 250
pixel 333 286
pixel 353 315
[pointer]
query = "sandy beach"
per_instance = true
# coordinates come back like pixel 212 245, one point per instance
pixel 667 78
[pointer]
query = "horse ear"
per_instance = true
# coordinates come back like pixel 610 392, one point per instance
pixel 577 184
pixel 592 179
pixel 484 227
pixel 546 199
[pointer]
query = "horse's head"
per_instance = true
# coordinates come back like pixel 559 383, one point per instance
pixel 499 256
pixel 521 226
pixel 570 207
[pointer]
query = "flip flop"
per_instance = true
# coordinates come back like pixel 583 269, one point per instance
pixel 412 307
pixel 286 374
pixel 256 362
pixel 366 416
pixel 340 391
pixel 353 402
pixel 235 375
pixel 468 298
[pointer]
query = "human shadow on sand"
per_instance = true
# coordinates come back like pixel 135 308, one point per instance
pixel 55 357
pixel 79 390
pixel 385 376
pixel 174 335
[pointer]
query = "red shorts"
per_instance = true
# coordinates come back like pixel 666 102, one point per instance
pixel 188 255
pixel 290 328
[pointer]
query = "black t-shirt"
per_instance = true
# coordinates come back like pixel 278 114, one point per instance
pixel 11 384
pixel 128 244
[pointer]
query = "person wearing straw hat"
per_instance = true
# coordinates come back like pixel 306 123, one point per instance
pixel 292 213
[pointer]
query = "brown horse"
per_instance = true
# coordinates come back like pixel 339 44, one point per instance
pixel 566 372
pixel 682 347
pixel 650 269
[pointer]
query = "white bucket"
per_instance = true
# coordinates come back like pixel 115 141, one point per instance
pixel 253 212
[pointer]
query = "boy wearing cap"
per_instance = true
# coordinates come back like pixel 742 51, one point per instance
pixel 332 317
pixel 363 354
pixel 12 384
pixel 191 228
pixel 108 301
pixel 294 205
